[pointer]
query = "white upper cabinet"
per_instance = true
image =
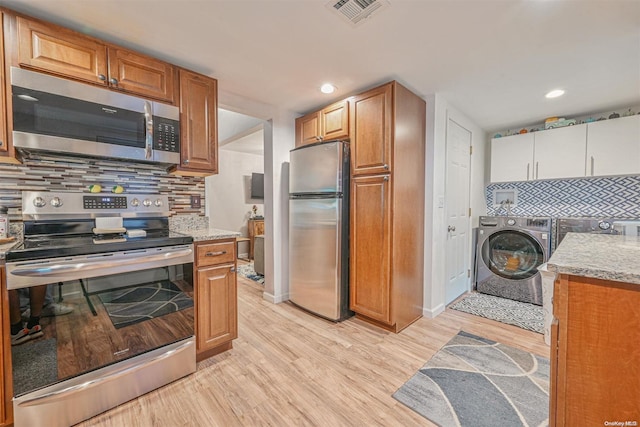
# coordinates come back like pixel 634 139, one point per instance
pixel 512 158
pixel 608 147
pixel 613 147
pixel 560 153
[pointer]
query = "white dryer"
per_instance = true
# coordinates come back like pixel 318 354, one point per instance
pixel 509 252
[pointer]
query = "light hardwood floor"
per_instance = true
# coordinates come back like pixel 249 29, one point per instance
pixel 289 368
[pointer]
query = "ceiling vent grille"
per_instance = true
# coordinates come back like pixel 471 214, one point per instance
pixel 356 11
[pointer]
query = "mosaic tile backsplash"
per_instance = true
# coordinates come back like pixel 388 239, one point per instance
pixel 75 175
pixel 617 196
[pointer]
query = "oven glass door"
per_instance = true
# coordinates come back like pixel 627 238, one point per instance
pixel 55 115
pixel 114 317
pixel 512 254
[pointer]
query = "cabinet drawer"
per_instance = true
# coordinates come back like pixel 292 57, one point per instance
pixel 215 253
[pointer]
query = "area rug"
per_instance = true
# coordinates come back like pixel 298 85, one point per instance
pixel 476 382
pixel 128 306
pixel 247 271
pixel 35 365
pixel 521 314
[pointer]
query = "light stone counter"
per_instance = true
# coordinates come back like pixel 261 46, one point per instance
pixel 203 234
pixel 5 248
pixel 599 256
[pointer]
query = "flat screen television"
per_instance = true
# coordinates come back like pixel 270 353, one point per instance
pixel 257 185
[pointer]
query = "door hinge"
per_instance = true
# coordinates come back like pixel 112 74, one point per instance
pixel 469 273
pixel 470 149
pixel 469 211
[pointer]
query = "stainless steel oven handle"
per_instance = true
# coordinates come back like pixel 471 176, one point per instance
pixel 59 394
pixel 148 130
pixel 56 269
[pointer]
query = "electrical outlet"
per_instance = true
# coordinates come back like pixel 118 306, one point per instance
pixel 195 201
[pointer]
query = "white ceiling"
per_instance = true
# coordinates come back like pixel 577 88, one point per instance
pixel 492 59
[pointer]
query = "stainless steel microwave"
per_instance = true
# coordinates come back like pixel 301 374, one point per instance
pixel 55 115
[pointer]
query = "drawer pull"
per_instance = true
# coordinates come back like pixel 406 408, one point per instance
pixel 215 253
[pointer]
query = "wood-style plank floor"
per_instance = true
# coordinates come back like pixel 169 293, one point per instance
pixel 289 368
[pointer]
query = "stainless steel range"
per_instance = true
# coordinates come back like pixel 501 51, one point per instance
pixel 129 280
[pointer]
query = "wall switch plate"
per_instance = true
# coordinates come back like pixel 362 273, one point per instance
pixel 195 201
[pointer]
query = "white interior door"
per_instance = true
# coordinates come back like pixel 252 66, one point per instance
pixel 457 210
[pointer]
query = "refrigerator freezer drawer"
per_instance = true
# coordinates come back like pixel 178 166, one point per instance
pixel 316 259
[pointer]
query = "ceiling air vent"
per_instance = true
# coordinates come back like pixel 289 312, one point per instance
pixel 356 11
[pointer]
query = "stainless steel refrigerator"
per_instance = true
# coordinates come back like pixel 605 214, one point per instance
pixel 319 229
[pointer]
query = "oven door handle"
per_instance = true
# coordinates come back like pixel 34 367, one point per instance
pixel 57 269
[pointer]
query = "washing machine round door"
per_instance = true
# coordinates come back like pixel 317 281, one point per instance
pixel 512 254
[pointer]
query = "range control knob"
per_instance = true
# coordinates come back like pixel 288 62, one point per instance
pixel 511 221
pixel 604 225
pixel 146 203
pixel 135 202
pixel 39 202
pixel 56 202
pixel 158 203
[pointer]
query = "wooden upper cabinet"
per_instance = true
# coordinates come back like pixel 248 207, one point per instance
pixel 371 131
pixel 329 123
pixel 54 49
pixel 308 129
pixel 198 123
pixel 140 74
pixel 334 121
pixel 50 48
pixel 4 143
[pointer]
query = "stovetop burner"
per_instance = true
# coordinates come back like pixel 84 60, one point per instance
pixel 63 224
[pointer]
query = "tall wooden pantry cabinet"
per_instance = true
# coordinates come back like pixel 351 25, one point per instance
pixel 387 206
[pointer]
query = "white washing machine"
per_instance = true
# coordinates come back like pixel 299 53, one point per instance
pixel 509 252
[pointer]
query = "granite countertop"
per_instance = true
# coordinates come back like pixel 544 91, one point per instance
pixel 599 256
pixel 5 248
pixel 202 234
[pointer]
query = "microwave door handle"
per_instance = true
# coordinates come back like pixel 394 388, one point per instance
pixel 148 130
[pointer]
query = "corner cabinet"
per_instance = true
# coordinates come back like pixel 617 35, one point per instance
pixel 198 124
pixel 50 48
pixel 387 206
pixel 331 122
pixel 215 297
pixel 595 374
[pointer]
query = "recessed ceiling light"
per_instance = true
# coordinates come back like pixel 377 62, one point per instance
pixel 327 88
pixel 555 93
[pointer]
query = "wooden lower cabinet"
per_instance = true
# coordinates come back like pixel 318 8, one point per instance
pixel 215 297
pixel 6 383
pixel 595 353
pixel 370 247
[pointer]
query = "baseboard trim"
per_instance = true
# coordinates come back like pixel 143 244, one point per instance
pixel 273 299
pixel 431 313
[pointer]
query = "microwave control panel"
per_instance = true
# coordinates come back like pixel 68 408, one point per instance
pixel 166 135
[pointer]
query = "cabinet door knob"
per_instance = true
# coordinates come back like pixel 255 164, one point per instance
pixel 385 166
pixel 185 162
pixel 450 228
pixel 102 77
pixel 113 81
pixel 1 143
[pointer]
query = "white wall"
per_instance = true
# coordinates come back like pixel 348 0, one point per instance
pixel 228 193
pixel 438 111
pixel 279 138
